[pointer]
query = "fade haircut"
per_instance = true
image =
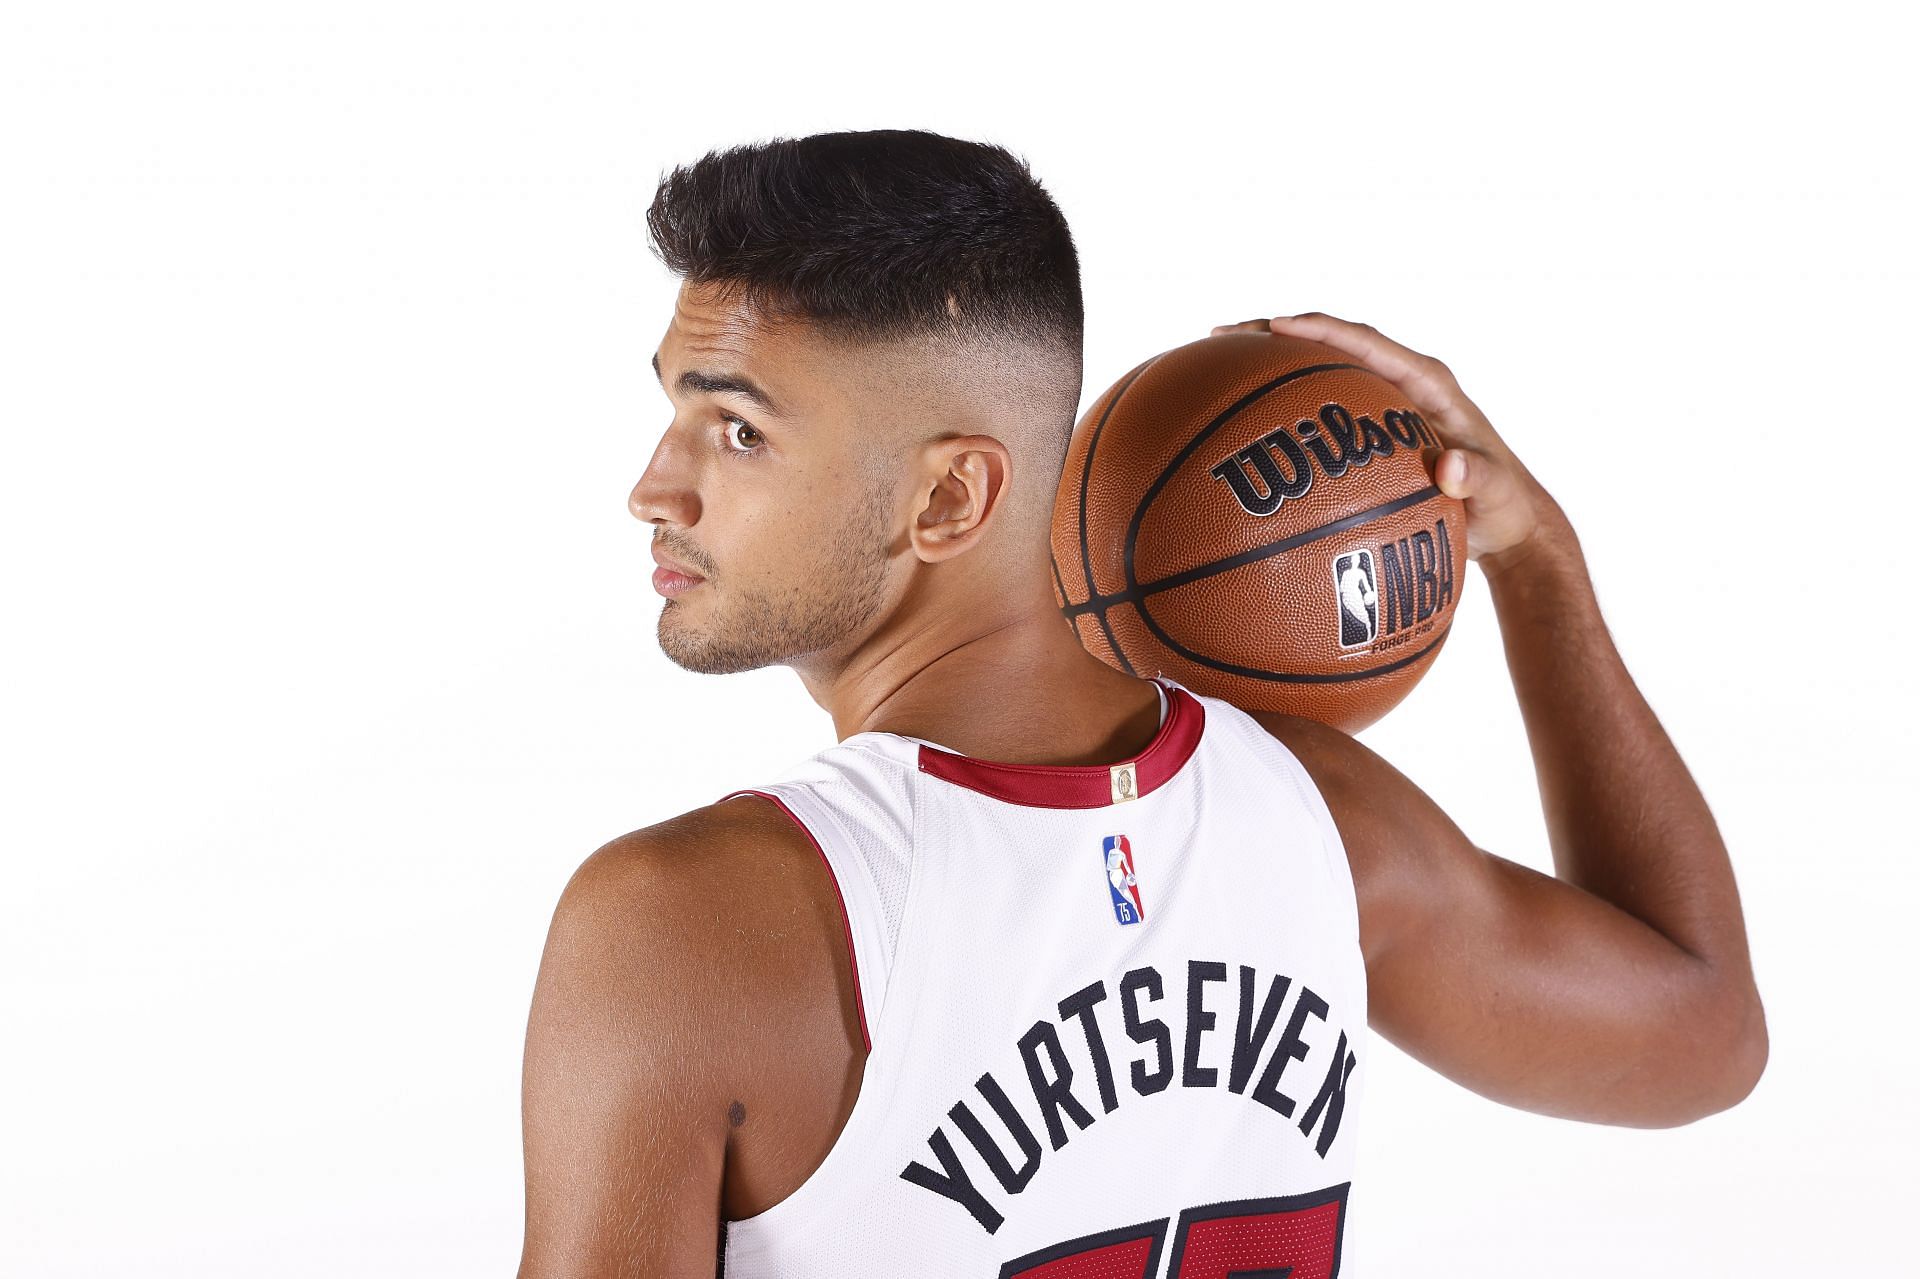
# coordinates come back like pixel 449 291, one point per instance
pixel 881 235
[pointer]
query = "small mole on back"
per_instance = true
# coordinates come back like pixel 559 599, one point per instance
pixel 736 1114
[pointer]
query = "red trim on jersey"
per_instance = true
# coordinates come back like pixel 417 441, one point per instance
pixel 846 924
pixel 1078 785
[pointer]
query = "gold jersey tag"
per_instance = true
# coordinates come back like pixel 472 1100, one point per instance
pixel 1124 782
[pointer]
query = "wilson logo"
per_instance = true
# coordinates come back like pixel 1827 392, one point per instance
pixel 1279 466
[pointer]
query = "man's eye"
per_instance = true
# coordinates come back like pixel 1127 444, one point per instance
pixel 750 436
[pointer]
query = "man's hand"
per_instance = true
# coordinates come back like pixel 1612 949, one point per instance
pixel 1508 514
pixel 1621 989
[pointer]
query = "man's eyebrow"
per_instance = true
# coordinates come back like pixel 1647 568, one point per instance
pixel 694 380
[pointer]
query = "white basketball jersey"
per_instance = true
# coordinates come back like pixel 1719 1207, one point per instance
pixel 1115 1015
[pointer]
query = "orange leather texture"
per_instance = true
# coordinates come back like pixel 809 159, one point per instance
pixel 1255 516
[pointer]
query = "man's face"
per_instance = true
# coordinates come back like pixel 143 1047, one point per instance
pixel 775 499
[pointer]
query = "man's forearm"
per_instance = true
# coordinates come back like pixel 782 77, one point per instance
pixel 1624 817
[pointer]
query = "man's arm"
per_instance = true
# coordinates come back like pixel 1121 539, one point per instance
pixel 694 1046
pixel 1621 990
pixel 1527 989
pixel 623 1103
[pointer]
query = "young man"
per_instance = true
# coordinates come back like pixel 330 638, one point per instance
pixel 887 1014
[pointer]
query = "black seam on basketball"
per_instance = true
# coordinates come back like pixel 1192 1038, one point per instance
pixel 1086 473
pixel 1200 437
pixel 1240 558
pixel 1160 481
pixel 1294 677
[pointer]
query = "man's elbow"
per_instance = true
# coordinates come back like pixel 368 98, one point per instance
pixel 1747 1060
pixel 1730 1065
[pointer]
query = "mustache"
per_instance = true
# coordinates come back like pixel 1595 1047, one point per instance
pixel 697 563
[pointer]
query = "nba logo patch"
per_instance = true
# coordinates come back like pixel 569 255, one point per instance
pixel 1359 605
pixel 1121 881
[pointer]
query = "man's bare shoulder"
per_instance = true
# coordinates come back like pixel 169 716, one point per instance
pixel 714 852
pixel 730 908
pixel 1393 833
pixel 1366 795
pixel 693 1029
pixel 1317 747
pixel 728 903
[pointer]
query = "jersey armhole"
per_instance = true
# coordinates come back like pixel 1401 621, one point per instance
pixel 835 876
pixel 1333 847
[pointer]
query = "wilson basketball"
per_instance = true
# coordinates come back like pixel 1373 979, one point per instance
pixel 1255 516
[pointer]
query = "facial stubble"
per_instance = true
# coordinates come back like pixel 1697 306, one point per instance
pixel 814 610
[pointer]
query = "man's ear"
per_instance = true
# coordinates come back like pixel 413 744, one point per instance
pixel 965 480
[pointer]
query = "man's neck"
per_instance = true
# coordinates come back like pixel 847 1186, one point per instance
pixel 1023 691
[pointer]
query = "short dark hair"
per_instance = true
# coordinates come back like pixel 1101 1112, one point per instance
pixel 877 234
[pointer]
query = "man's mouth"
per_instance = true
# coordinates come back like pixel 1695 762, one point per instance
pixel 669 583
pixel 672 577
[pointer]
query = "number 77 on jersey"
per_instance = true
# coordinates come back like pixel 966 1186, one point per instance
pixel 1296 1237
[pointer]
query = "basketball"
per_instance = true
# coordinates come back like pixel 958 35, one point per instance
pixel 1255 516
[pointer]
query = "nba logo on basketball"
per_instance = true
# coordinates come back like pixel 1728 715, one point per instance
pixel 1121 881
pixel 1359 604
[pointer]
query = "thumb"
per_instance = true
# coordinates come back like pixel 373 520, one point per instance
pixel 1455 474
pixel 1500 512
pixel 1465 475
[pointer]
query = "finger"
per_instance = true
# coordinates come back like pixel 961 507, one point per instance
pixel 1422 377
pixel 1465 474
pixel 1402 365
pixel 1252 326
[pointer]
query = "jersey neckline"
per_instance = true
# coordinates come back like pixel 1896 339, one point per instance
pixel 1077 785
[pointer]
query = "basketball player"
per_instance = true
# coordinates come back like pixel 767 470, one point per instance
pixel 1356 593
pixel 1119 874
pixel 885 1014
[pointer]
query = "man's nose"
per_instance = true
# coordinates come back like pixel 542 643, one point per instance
pixel 664 493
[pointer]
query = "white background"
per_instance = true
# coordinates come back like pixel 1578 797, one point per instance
pixel 330 653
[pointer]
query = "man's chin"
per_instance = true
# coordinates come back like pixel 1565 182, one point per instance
pixel 700 655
